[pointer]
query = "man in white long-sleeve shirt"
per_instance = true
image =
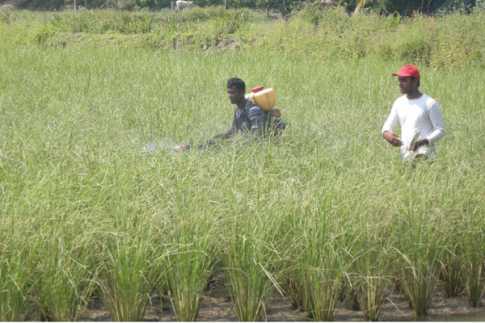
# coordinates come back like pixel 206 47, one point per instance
pixel 417 114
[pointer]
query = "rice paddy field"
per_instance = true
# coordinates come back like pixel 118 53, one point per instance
pixel 325 223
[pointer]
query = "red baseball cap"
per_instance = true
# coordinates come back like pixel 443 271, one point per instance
pixel 408 70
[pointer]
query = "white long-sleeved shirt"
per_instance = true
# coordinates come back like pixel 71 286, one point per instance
pixel 419 118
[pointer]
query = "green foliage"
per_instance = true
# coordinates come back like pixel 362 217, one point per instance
pixel 64 281
pixel 419 249
pixel 190 261
pixel 328 206
pixel 442 41
pixel 249 263
pixel 15 270
pixel 103 22
pixel 285 7
pixel 128 277
pixel 473 253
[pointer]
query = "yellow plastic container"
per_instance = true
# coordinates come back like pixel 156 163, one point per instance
pixel 265 99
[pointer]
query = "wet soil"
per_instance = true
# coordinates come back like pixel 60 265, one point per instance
pixel 216 305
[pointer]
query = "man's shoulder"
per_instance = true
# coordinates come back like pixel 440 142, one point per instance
pixel 401 100
pixel 429 101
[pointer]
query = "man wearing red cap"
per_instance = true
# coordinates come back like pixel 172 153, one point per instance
pixel 417 114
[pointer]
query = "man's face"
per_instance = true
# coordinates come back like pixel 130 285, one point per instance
pixel 235 95
pixel 407 84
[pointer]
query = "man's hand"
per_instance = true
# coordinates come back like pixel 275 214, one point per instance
pixel 181 148
pixel 392 138
pixel 419 143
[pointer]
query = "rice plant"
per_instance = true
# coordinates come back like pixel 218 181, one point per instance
pixel 188 268
pixel 418 255
pixel 14 285
pixel 249 271
pixel 324 288
pixel 191 236
pixel 451 272
pixel 126 279
pixel 372 280
pixel 328 204
pixel 63 281
pixel 323 266
pixel 473 263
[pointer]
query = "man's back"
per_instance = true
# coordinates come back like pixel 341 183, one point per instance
pixel 252 118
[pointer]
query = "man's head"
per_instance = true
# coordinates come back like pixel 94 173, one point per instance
pixel 236 89
pixel 408 77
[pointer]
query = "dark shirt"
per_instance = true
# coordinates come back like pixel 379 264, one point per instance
pixel 250 119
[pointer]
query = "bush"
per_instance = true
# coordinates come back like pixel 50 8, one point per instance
pixel 450 40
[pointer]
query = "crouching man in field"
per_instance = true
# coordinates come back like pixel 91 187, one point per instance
pixel 417 114
pixel 249 119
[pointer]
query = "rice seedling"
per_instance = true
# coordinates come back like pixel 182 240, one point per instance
pixel 451 272
pixel 289 244
pixel 63 282
pixel 473 261
pixel 253 241
pixel 372 280
pixel 126 279
pixel 191 236
pixel 475 285
pixel 14 285
pixel 324 288
pixel 249 268
pixel 419 251
pixel 451 262
pixel 324 265
pixel 188 268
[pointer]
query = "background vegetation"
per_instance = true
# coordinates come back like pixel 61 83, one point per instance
pixel 285 7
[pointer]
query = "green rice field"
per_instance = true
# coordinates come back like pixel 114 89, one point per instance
pixel 324 217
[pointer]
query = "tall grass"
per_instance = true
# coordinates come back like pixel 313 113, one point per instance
pixel 63 280
pixel 473 255
pixel 249 265
pixel 419 249
pixel 324 258
pixel 451 273
pixel 372 280
pixel 255 241
pixel 440 41
pixel 192 236
pixel 329 205
pixel 14 287
pixel 128 277
pixel 189 267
